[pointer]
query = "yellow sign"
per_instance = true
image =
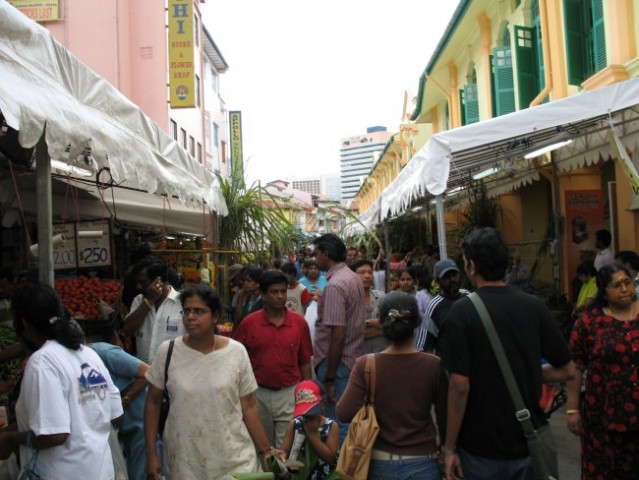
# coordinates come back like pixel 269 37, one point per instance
pixel 181 68
pixel 40 11
pixel 237 163
pixel 626 163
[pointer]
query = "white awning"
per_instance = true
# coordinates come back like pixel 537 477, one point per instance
pixel 45 88
pixel 449 158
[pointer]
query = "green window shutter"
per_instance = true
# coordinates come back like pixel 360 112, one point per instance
pixel 447 117
pixel 504 84
pixel 539 51
pixel 575 41
pixel 598 35
pixel 493 95
pixel 471 104
pixel 526 66
pixel 462 106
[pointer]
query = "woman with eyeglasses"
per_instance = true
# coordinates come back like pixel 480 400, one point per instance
pixel 213 427
pixel 605 342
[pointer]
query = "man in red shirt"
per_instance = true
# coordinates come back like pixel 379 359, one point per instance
pixel 278 342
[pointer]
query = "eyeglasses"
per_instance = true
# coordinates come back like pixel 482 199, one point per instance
pixel 628 284
pixel 198 312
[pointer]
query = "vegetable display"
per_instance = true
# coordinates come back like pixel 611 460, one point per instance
pixel 80 295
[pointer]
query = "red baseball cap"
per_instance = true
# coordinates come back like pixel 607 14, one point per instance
pixel 308 399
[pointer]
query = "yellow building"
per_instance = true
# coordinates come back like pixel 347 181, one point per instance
pixel 498 57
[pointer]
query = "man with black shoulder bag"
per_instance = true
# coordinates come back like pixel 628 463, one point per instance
pixel 496 340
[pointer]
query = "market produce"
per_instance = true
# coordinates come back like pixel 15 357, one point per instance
pixel 80 295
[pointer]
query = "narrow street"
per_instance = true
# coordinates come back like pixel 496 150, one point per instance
pixel 567 447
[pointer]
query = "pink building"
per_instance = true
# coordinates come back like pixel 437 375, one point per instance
pixel 125 42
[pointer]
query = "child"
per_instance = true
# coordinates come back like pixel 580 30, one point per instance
pixel 310 437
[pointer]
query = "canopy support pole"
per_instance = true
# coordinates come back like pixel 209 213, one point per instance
pixel 45 215
pixel 441 226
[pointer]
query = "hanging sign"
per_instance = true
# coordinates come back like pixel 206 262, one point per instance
pixel 38 10
pixel 181 69
pixel 65 254
pixel 94 244
pixel 626 164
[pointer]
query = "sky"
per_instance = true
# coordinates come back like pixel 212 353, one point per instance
pixel 307 74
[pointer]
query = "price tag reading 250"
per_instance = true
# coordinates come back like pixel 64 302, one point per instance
pixel 93 250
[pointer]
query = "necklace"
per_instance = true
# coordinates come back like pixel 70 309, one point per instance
pixel 188 342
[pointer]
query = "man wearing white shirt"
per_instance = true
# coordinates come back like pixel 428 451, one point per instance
pixel 156 314
pixel 603 239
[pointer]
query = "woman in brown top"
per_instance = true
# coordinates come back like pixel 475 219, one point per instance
pixel 408 384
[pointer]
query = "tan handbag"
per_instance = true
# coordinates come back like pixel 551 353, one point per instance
pixel 355 453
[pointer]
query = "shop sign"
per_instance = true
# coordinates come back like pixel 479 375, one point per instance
pixel 65 255
pixel 181 69
pixel 237 163
pixel 40 11
pixel 94 244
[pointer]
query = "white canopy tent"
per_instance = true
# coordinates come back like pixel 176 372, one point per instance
pixel 48 94
pixel 447 161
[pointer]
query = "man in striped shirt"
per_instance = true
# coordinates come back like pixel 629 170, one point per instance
pixel 340 324
pixel 433 328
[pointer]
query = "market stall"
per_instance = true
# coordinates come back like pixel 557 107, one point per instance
pixel 58 117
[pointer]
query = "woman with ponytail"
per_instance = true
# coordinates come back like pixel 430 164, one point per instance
pixel 408 383
pixel 67 398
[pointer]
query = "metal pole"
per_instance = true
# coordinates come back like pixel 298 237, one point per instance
pixel 387 252
pixel 558 221
pixel 45 216
pixel 441 226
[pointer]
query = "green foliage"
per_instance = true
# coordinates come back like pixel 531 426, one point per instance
pixel 480 212
pixel 256 224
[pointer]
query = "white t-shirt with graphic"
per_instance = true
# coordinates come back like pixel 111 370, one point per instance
pixel 69 391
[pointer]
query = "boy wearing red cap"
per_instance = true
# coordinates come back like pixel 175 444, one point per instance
pixel 311 437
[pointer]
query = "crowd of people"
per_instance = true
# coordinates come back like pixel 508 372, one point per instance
pixel 290 377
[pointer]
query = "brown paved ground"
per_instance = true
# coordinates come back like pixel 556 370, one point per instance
pixel 567 447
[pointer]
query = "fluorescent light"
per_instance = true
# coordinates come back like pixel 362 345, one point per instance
pixel 454 190
pixel 65 167
pixel 485 173
pixel 548 148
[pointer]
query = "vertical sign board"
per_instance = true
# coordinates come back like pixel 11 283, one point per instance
pixel 181 69
pixel 38 10
pixel 237 163
pixel 584 216
pixel 65 255
pixel 94 251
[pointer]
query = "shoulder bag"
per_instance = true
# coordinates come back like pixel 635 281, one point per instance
pixel 541 443
pixel 355 453
pixel 166 401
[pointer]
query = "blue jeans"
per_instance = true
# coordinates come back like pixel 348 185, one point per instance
pixel 480 468
pixel 405 469
pixel 341 380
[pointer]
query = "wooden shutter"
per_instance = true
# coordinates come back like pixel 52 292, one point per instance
pixel 504 83
pixel 493 94
pixel 462 106
pixel 598 35
pixel 471 105
pixel 575 41
pixel 527 84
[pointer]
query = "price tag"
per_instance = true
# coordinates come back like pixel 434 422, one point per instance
pixel 94 248
pixel 64 256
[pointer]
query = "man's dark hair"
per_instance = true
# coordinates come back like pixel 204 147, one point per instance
pixel 272 277
pixel 289 268
pixel 358 263
pixel 253 272
pixel 623 257
pixel 489 251
pixel 332 246
pixel 154 266
pixel 604 236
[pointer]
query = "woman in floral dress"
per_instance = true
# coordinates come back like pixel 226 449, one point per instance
pixel 605 343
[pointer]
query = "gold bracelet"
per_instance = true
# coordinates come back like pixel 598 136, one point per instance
pixel 572 411
pixel 148 303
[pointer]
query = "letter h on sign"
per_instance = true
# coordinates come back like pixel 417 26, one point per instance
pixel 180 11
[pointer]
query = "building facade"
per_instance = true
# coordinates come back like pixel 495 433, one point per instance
pixel 126 42
pixel 498 57
pixel 357 155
